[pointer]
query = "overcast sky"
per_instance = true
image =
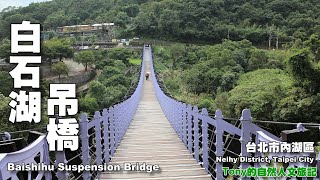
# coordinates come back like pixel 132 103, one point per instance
pixel 7 3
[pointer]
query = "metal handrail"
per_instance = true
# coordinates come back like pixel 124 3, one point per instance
pixel 193 127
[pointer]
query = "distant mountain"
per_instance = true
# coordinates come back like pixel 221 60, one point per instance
pixel 17 3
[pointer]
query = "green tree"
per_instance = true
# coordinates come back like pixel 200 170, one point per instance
pixel 206 103
pixel 228 80
pixel 258 59
pixel 100 64
pixel 115 80
pixel 122 19
pixel 142 22
pixel 85 57
pixel 5 112
pixel 313 43
pixel 108 71
pixel 120 65
pixel 178 53
pixel 115 94
pixel 260 91
pixel 99 92
pixel 298 106
pixel 13 17
pixel 120 54
pixel 60 68
pixel 222 102
pixel 56 19
pixel 6 82
pixel 132 10
pixel 88 104
pixel 305 72
pixel 194 77
pixel 57 48
pixel 5 50
pixel 169 22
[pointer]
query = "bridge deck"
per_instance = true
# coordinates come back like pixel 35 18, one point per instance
pixel 151 139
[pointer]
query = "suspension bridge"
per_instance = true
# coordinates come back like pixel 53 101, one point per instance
pixel 153 128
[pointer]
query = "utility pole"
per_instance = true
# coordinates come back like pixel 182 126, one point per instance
pixel 82 40
pixel 277 37
pixel 270 37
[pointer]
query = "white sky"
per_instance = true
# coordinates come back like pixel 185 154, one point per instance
pixel 7 3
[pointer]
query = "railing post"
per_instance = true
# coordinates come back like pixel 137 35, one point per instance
pixel 174 109
pixel 106 135
pixel 120 123
pixel 189 110
pixel 179 119
pixel 61 158
pixel 205 149
pixel 219 142
pixel 258 154
pixel 196 132
pixel 246 125
pixel 176 117
pixel 115 125
pixel 169 116
pixel 85 144
pixel 46 159
pixel 123 121
pixel 97 129
pixel 112 135
pixel 184 123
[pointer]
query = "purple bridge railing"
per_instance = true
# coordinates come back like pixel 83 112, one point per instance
pixel 34 153
pixel 208 137
pixel 204 136
pixel 99 137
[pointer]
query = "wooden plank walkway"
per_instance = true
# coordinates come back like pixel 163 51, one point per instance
pixel 151 139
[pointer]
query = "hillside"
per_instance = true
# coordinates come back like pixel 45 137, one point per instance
pixel 207 21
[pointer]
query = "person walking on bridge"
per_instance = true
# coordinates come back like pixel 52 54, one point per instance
pixel 147 76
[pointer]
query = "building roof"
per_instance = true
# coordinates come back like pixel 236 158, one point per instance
pixel 86 25
pixel 77 26
pixel 104 24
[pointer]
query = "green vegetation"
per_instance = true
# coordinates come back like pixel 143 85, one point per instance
pixel 5 112
pixel 117 79
pixel 6 82
pixel 57 49
pixel 112 86
pixel 135 61
pixel 278 85
pixel 207 21
pixel 5 89
pixel 5 50
pixel 60 68
pixel 86 58
pixel 261 90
